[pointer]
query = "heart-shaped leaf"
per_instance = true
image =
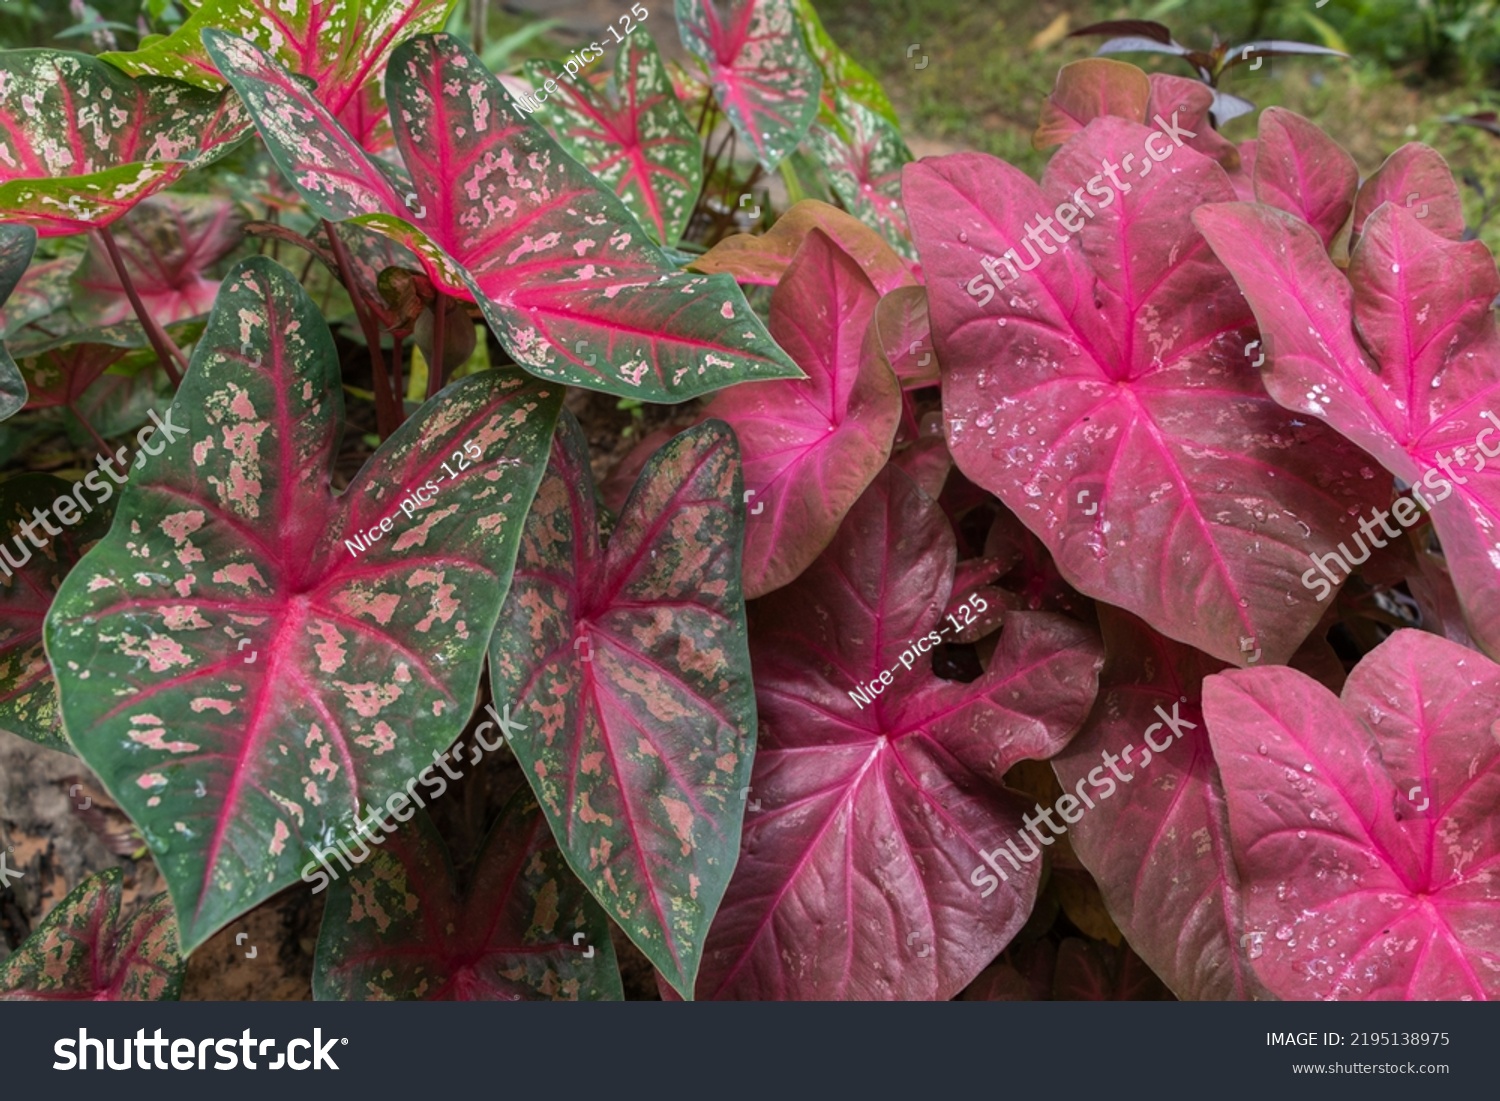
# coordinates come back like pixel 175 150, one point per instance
pixel 630 662
pixel 877 785
pixel 1090 89
pixel 167 244
pixel 30 572
pixel 1158 843
pixel 342 45
pixel 1364 824
pixel 762 75
pixel 1416 177
pixel 17 243
pixel 84 951
pixel 633 136
pixel 812 445
pixel 70 165
pixel 1105 395
pixel 864 170
pixel 366 614
pixel 397 928
pixel 1303 171
pixel 1401 354
pixel 499 213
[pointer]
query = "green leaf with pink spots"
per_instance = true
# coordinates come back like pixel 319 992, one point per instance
pixel 499 214
pixel 629 666
pixel 248 657
pixel 342 45
pixel 81 142
pixel 762 74
pixel 29 577
pixel 633 135
pixel 864 169
pixel 85 950
pixel 397 928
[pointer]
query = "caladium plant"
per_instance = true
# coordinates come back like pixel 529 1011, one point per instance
pixel 502 215
pixel 633 135
pixel 878 786
pixel 89 949
pixel 1104 393
pixel 761 73
pixel 631 660
pixel 71 166
pixel 17 243
pixel 1364 824
pixel 398 928
pixel 366 614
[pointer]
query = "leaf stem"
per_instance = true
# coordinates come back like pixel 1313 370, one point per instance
pixel 387 417
pixel 170 355
pixel 98 439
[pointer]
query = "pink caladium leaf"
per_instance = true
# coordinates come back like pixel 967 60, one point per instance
pixel 633 135
pixel 1400 354
pixel 30 572
pixel 247 658
pixel 762 259
pixel 341 45
pixel 1105 395
pixel 1303 171
pixel 71 167
pixel 630 664
pixel 811 445
pixel 168 243
pixel 17 243
pixel 877 786
pixel 1157 840
pixel 1364 824
pixel 398 928
pixel 864 170
pixel 500 214
pixel 904 337
pixel 1416 177
pixel 762 75
pixel 86 949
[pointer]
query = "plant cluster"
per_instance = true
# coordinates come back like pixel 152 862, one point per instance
pixel 781 693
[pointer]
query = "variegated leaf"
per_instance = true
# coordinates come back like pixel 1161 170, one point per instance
pixel 247 658
pixel 633 135
pixel 629 666
pixel 398 928
pixel 84 951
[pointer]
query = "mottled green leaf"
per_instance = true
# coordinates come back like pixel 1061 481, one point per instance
pixel 17 243
pixel 81 142
pixel 84 951
pixel 499 213
pixel 841 73
pixel 865 170
pixel 762 75
pixel 397 927
pixel 633 135
pixel 29 577
pixel 247 657
pixel 629 666
pixel 342 45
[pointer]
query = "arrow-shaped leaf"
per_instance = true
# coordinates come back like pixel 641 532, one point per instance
pixel 365 614
pixel 499 213
pixel 83 951
pixel 398 928
pixel 81 142
pixel 630 662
